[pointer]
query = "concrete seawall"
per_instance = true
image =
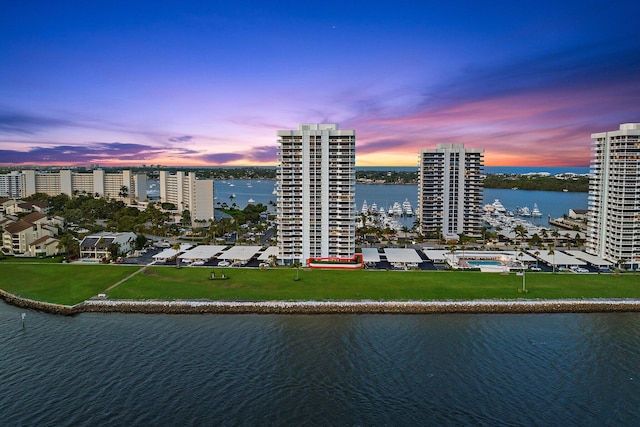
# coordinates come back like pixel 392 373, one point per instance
pixel 330 307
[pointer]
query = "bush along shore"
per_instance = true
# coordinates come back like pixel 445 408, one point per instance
pixel 329 307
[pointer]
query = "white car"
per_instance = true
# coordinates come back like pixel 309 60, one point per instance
pixel 224 264
pixel 535 268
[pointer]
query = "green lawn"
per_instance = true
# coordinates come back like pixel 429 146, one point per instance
pixel 59 283
pixel 70 284
pixel 279 284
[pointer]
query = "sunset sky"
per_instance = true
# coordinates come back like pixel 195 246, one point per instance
pixel 210 83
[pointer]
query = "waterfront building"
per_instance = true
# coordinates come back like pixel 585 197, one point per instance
pixel 10 184
pixel 122 185
pixel 32 234
pixel 316 192
pixel 450 191
pixel 186 192
pixel 613 218
pixel 96 246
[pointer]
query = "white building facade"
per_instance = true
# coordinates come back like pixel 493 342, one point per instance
pixel 10 184
pixel 450 190
pixel 188 193
pixel 316 192
pixel 123 185
pixel 613 219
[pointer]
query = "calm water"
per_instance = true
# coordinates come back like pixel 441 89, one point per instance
pixel 114 369
pixel 551 203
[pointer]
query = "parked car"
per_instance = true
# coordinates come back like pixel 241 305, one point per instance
pixel 224 264
pixel 534 268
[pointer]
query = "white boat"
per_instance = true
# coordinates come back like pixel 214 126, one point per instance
pixel 524 211
pixel 373 208
pixel 251 201
pixel 397 209
pixel 365 208
pixel 406 208
pixel 497 207
pixel 536 212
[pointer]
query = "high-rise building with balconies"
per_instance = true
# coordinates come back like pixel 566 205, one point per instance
pixel 316 192
pixel 122 185
pixel 188 193
pixel 613 219
pixel 450 191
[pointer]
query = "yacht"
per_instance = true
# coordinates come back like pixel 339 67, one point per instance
pixel 498 207
pixel 406 208
pixel 524 211
pixel 365 208
pixel 397 209
pixel 373 208
pixel 536 212
pixel 251 201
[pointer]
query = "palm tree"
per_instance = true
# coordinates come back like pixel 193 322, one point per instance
pixel 67 243
pixel 124 192
pixel 296 265
pixel 536 253
pixel 452 249
pixel 553 254
pixel 176 246
pixel 520 232
pixel 544 234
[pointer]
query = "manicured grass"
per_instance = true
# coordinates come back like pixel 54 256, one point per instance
pixel 60 283
pixel 279 284
pixel 71 284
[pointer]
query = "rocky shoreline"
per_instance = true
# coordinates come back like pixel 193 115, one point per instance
pixel 329 307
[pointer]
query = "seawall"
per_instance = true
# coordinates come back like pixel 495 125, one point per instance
pixel 330 307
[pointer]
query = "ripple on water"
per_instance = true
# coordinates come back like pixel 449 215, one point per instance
pixel 329 369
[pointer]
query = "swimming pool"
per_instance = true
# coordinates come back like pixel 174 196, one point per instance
pixel 483 262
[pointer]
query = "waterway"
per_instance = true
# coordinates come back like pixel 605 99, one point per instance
pixel 550 203
pixel 191 370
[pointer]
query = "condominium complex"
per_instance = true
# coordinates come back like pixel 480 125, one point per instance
pixel 188 193
pixel 10 184
pixel 613 218
pixel 118 185
pixel 316 192
pixel 450 191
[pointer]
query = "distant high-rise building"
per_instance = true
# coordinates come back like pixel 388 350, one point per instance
pixel 613 219
pixel 188 193
pixel 121 185
pixel 10 185
pixel 450 191
pixel 316 192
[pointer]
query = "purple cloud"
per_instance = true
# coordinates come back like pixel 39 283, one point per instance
pixel 92 153
pixel 184 138
pixel 26 124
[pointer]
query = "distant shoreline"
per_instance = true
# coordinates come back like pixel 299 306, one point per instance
pixel 329 307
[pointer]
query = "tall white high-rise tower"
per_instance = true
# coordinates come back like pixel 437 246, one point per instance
pixel 450 191
pixel 316 192
pixel 614 200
